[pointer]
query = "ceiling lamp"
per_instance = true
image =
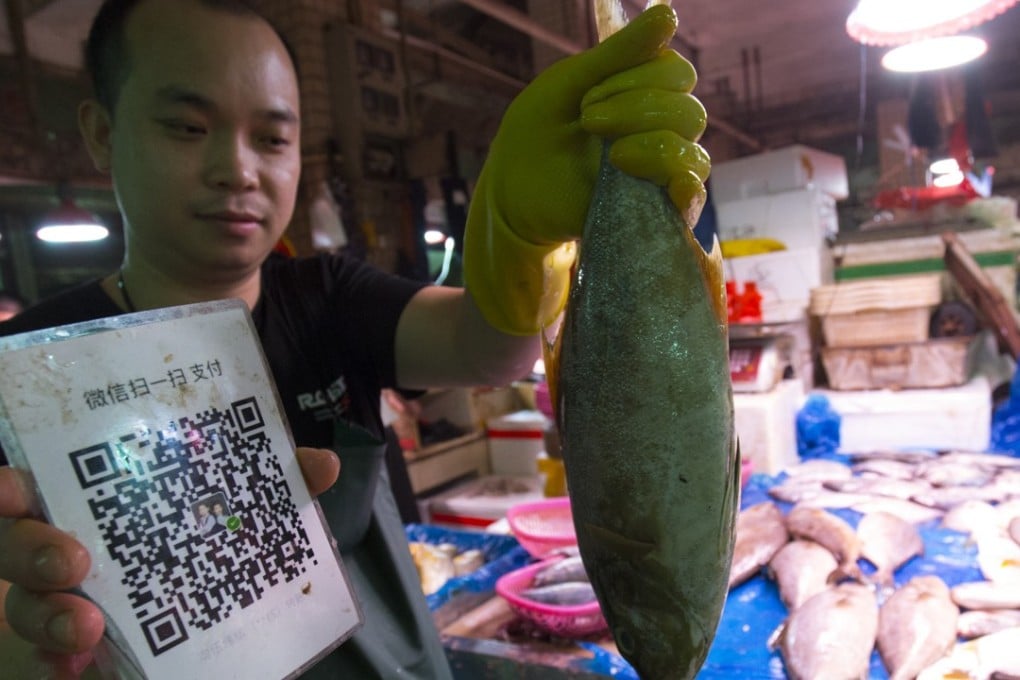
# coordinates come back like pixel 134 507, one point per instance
pixel 923 31
pixel 934 54
pixel 897 22
pixel 70 223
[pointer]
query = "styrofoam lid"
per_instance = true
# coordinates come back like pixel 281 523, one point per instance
pixel 518 420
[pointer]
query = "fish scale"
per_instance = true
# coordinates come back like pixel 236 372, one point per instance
pixel 646 420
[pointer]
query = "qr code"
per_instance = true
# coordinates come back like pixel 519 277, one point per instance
pixel 199 515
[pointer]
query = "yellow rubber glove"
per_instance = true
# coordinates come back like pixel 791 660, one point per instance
pixel 532 196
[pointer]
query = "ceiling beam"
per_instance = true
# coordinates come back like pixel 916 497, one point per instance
pixel 16 25
pixel 525 24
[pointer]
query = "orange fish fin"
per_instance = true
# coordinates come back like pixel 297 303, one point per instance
pixel 711 264
pixel 551 357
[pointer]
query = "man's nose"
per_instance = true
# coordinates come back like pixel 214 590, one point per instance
pixel 232 164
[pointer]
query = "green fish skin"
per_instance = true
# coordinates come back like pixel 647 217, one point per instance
pixel 646 420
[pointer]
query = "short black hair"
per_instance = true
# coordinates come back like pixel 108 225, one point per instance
pixel 106 58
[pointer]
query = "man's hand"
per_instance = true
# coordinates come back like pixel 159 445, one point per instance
pixel 38 562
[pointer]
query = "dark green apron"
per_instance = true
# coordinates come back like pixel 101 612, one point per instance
pixel 398 638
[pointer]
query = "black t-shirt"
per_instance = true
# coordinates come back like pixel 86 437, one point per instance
pixel 327 326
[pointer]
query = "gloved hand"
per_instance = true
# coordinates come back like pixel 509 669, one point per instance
pixel 532 196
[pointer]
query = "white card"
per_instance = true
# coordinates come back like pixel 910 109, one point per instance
pixel 158 440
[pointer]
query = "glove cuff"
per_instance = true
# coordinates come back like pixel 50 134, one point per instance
pixel 519 286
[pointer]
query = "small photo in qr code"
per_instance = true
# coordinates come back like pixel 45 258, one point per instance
pixel 213 516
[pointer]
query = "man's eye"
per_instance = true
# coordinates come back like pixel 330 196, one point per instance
pixel 184 128
pixel 276 142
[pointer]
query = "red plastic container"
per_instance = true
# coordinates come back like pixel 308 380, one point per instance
pixel 543 526
pixel 565 621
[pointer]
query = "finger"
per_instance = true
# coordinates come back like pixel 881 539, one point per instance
pixel 21 659
pixel 688 194
pixel 637 42
pixel 659 156
pixel 320 467
pixel 668 71
pixel 39 556
pixel 57 622
pixel 638 111
pixel 16 497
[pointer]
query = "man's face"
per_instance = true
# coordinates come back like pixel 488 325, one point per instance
pixel 203 510
pixel 205 142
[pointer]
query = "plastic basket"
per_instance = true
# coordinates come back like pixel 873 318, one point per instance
pixel 543 526
pixel 565 621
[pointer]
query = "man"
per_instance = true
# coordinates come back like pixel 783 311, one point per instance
pixel 197 120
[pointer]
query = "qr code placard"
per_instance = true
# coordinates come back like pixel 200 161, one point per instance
pixel 158 441
pixel 199 516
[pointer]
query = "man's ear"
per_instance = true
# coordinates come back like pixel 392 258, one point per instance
pixel 96 129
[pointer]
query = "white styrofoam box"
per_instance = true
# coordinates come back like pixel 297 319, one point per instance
pixel 784 279
pixel 945 418
pixel 479 502
pixel 766 426
pixel 515 440
pixel 801 218
pixel 792 167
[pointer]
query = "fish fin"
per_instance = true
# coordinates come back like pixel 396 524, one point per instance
pixel 711 265
pixel 846 572
pixel 617 543
pixel 551 358
pixel 776 637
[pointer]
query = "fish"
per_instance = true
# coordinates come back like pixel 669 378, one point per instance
pixel 879 486
pixel 434 564
pixel 563 571
pixel 818 470
pixel 986 595
pixel 813 495
pixel 948 497
pixel 989 657
pixel 906 456
pixel 885 468
pixel 829 531
pixel 979 622
pixel 915 513
pixel 916 627
pixel 888 542
pixel 832 634
pixel 761 531
pixel 801 570
pixel 983 459
pixel 952 473
pixel 563 594
pixel 973 516
pixel 645 414
pixel 998 557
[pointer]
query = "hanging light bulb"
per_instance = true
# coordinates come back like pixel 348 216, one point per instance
pixel 70 223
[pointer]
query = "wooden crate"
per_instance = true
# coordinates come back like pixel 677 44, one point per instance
pixel 876 327
pixel 944 362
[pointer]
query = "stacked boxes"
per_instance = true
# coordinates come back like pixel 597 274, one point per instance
pixel 788 195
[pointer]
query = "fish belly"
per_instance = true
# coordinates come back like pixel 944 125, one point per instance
pixel 646 418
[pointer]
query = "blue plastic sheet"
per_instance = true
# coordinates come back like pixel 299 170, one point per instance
pixel 754 611
pixel 1006 422
pixel 817 427
pixel 502 553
